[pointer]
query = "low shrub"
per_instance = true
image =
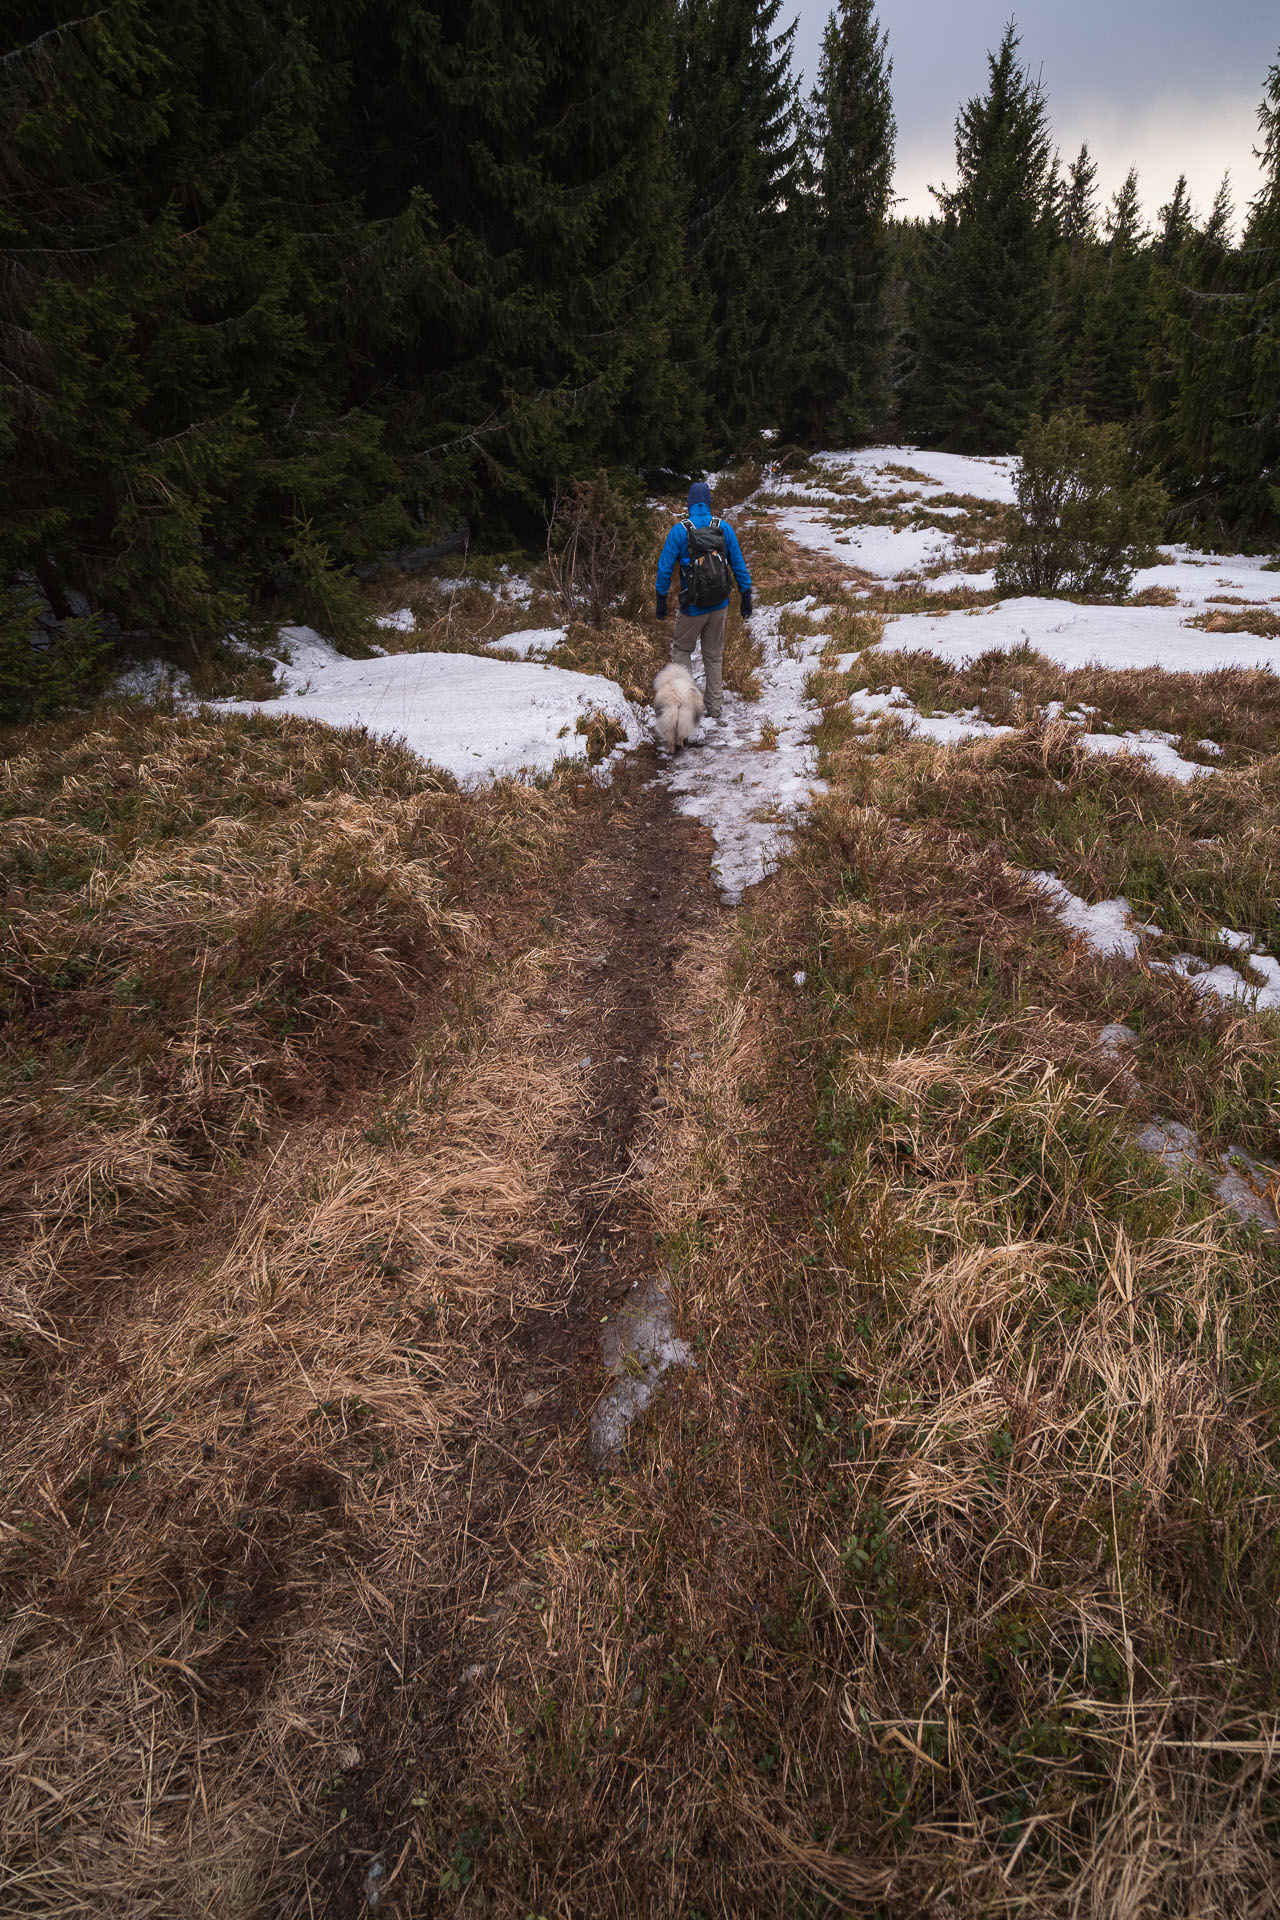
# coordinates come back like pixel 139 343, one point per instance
pixel 326 596
pixel 1084 520
pixel 44 670
pixel 596 541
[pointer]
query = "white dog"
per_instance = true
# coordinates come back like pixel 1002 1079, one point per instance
pixel 677 703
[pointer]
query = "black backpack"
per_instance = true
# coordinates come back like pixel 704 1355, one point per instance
pixel 708 564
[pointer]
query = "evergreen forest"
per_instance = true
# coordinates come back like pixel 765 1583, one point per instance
pixel 286 290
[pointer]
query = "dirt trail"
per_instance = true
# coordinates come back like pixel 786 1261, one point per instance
pixel 624 927
pixel 627 919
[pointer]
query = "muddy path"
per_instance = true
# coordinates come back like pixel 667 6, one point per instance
pixel 624 927
pixel 628 921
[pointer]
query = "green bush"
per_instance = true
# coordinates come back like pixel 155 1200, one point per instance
pixel 327 597
pixel 66 669
pixel 1084 519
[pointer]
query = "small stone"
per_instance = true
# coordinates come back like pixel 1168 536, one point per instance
pixel 585 1060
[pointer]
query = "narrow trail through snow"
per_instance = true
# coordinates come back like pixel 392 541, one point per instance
pixel 753 774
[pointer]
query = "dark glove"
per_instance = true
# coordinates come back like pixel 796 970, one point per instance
pixel 746 606
pixel 662 606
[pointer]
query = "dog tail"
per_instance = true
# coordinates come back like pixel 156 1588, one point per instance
pixel 686 722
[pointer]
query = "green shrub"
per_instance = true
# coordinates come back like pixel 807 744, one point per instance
pixel 327 597
pixel 1084 520
pixel 68 667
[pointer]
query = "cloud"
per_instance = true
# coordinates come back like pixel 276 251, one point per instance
pixel 1162 137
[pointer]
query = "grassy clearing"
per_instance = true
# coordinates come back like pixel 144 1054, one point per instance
pixel 948 1581
pixel 1237 708
pixel 272 1125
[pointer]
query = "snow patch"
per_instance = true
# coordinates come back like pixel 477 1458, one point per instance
pixel 478 718
pixel 947 729
pixel 151 680
pixel 885 551
pixel 531 643
pixel 1106 929
pixel 1244 1184
pixel 1150 745
pixel 639 1346
pixel 749 794
pixel 1225 983
pixel 1072 636
pixel 961 473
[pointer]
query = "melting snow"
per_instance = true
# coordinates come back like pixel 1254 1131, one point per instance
pixel 1222 981
pixel 884 551
pixel 1148 745
pixel 948 729
pixel 1105 929
pixel 639 1345
pixel 1245 1185
pixel 750 795
pixel 1109 928
pixel 531 643
pixel 478 718
pixel 958 473
pixel 1075 636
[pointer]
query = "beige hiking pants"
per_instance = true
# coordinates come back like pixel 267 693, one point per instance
pixel 709 629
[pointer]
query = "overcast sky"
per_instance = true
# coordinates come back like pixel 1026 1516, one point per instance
pixel 1167 86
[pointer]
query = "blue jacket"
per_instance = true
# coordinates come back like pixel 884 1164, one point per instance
pixel 676 547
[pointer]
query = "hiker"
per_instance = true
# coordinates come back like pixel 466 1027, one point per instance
pixel 707 550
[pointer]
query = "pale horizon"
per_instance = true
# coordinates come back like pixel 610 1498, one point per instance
pixel 1162 89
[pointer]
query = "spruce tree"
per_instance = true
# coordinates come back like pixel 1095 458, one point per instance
pixel 1175 224
pixel 983 310
pixel 1215 374
pixel 1074 251
pixel 268 281
pixel 737 149
pixel 540 305
pixel 839 367
pixel 1108 363
pixel 1079 228
pixel 165 191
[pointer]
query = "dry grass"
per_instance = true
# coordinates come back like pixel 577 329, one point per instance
pixel 1263 620
pixel 947 1582
pixel 240 1334
pixel 1238 708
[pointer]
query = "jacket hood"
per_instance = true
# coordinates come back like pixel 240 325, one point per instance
pixel 699 504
